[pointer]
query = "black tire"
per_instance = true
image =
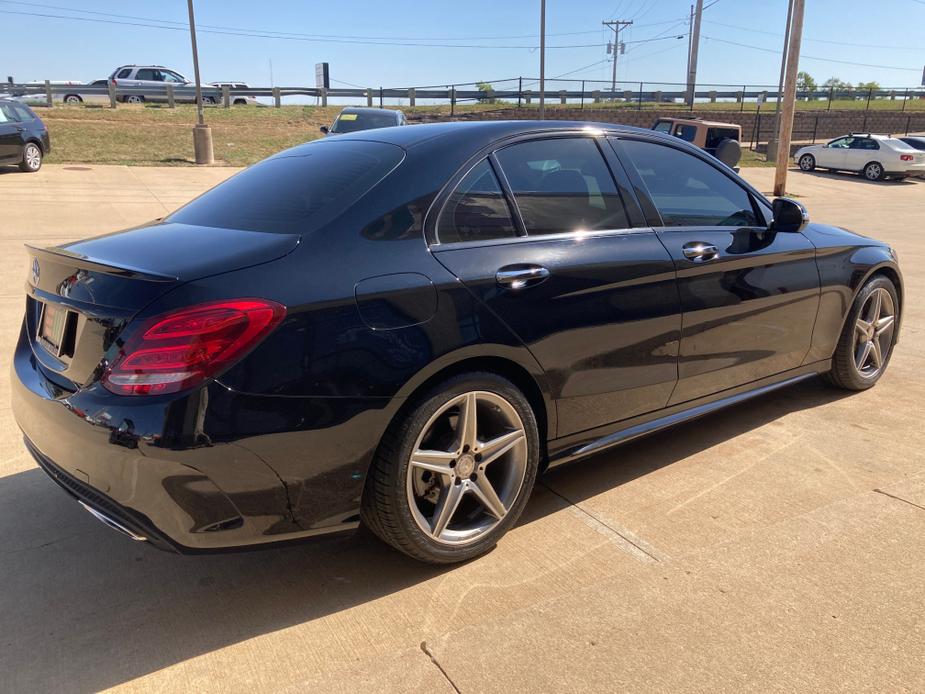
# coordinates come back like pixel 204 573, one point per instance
pixel 845 372
pixel 32 156
pixel 208 100
pixel 873 171
pixel 240 102
pixel 385 507
pixel 807 162
pixel 72 99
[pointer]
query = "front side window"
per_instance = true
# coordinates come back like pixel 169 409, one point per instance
pixel 124 73
pixel 173 77
pixel 663 126
pixel 477 210
pixel 562 185
pixel 841 143
pixel 686 190
pixel 7 114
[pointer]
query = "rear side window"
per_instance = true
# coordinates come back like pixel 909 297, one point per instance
pixel 864 143
pixel 686 190
pixel 477 210
pixel 562 185
pixel 149 75
pixel 23 112
pixel 295 193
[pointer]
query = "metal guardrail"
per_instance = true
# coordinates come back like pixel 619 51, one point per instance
pixel 589 92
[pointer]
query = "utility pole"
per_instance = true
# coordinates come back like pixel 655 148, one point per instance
pixel 695 48
pixel 690 35
pixel 772 145
pixel 616 26
pixel 202 133
pixel 542 59
pixel 790 95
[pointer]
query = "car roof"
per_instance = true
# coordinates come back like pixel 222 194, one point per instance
pixel 368 109
pixel 700 121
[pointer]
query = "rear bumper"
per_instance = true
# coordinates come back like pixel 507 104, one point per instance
pixel 183 472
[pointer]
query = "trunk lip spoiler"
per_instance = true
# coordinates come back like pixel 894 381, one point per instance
pixel 56 254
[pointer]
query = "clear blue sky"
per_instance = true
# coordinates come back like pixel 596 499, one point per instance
pixel 885 35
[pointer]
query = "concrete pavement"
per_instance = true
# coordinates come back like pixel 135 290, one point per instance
pixel 778 546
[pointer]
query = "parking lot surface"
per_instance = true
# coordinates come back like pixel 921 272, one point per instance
pixel 777 546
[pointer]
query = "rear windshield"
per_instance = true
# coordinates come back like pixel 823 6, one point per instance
pixel 351 122
pixel 717 135
pixel 297 193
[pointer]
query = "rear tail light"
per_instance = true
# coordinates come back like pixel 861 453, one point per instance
pixel 906 157
pixel 181 349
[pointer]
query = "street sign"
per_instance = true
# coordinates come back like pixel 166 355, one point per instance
pixel 322 76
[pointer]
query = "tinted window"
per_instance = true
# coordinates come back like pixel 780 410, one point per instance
pixel 351 122
pixel 663 126
pixel 916 142
pixel 7 114
pixel 864 143
pixel 562 185
pixel 686 132
pixel 296 193
pixel 717 135
pixel 124 73
pixel 23 113
pixel 477 209
pixel 841 143
pixel 686 190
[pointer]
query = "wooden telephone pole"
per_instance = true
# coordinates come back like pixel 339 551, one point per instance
pixel 616 26
pixel 790 94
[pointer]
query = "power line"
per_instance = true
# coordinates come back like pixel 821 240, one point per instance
pixel 811 57
pixel 834 43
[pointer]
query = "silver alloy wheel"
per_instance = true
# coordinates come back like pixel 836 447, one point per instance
pixel 467 468
pixel 873 171
pixel 32 156
pixel 134 99
pixel 72 99
pixel 874 329
pixel 807 162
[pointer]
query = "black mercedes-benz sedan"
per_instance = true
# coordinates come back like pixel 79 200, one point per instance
pixel 405 326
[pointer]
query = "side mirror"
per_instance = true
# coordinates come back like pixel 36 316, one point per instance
pixel 789 215
pixel 324 129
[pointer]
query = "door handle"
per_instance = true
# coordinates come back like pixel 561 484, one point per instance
pixel 700 251
pixel 521 276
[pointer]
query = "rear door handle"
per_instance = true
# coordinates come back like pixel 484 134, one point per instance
pixel 521 276
pixel 700 251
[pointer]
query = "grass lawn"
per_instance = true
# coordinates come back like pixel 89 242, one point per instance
pixel 154 136
pixel 160 136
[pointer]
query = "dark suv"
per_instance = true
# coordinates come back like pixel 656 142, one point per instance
pixel 23 136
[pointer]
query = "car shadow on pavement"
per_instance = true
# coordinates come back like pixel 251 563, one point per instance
pixel 83 608
pixel 855 178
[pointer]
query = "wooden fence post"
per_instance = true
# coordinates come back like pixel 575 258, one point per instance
pixel 411 97
pixel 324 96
pixel 171 98
pixel 112 94
pixel 226 96
pixel 369 96
pixel 277 100
pixel 48 100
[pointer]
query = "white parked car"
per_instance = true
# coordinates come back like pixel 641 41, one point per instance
pixel 100 94
pixel 238 99
pixel 875 157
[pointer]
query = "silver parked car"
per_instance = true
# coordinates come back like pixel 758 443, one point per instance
pixel 156 77
pixel 875 157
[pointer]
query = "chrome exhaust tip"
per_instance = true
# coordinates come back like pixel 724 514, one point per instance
pixel 115 525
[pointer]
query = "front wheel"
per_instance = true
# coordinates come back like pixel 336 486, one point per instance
pixel 807 162
pixel 874 171
pixel 31 158
pixel 867 340
pixel 72 99
pixel 453 476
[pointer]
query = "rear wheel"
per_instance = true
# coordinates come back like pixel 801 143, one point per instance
pixel 873 171
pixel 134 99
pixel 72 99
pixel 866 342
pixel 454 475
pixel 31 158
pixel 807 162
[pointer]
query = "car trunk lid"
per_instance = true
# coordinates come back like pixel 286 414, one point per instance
pixel 81 295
